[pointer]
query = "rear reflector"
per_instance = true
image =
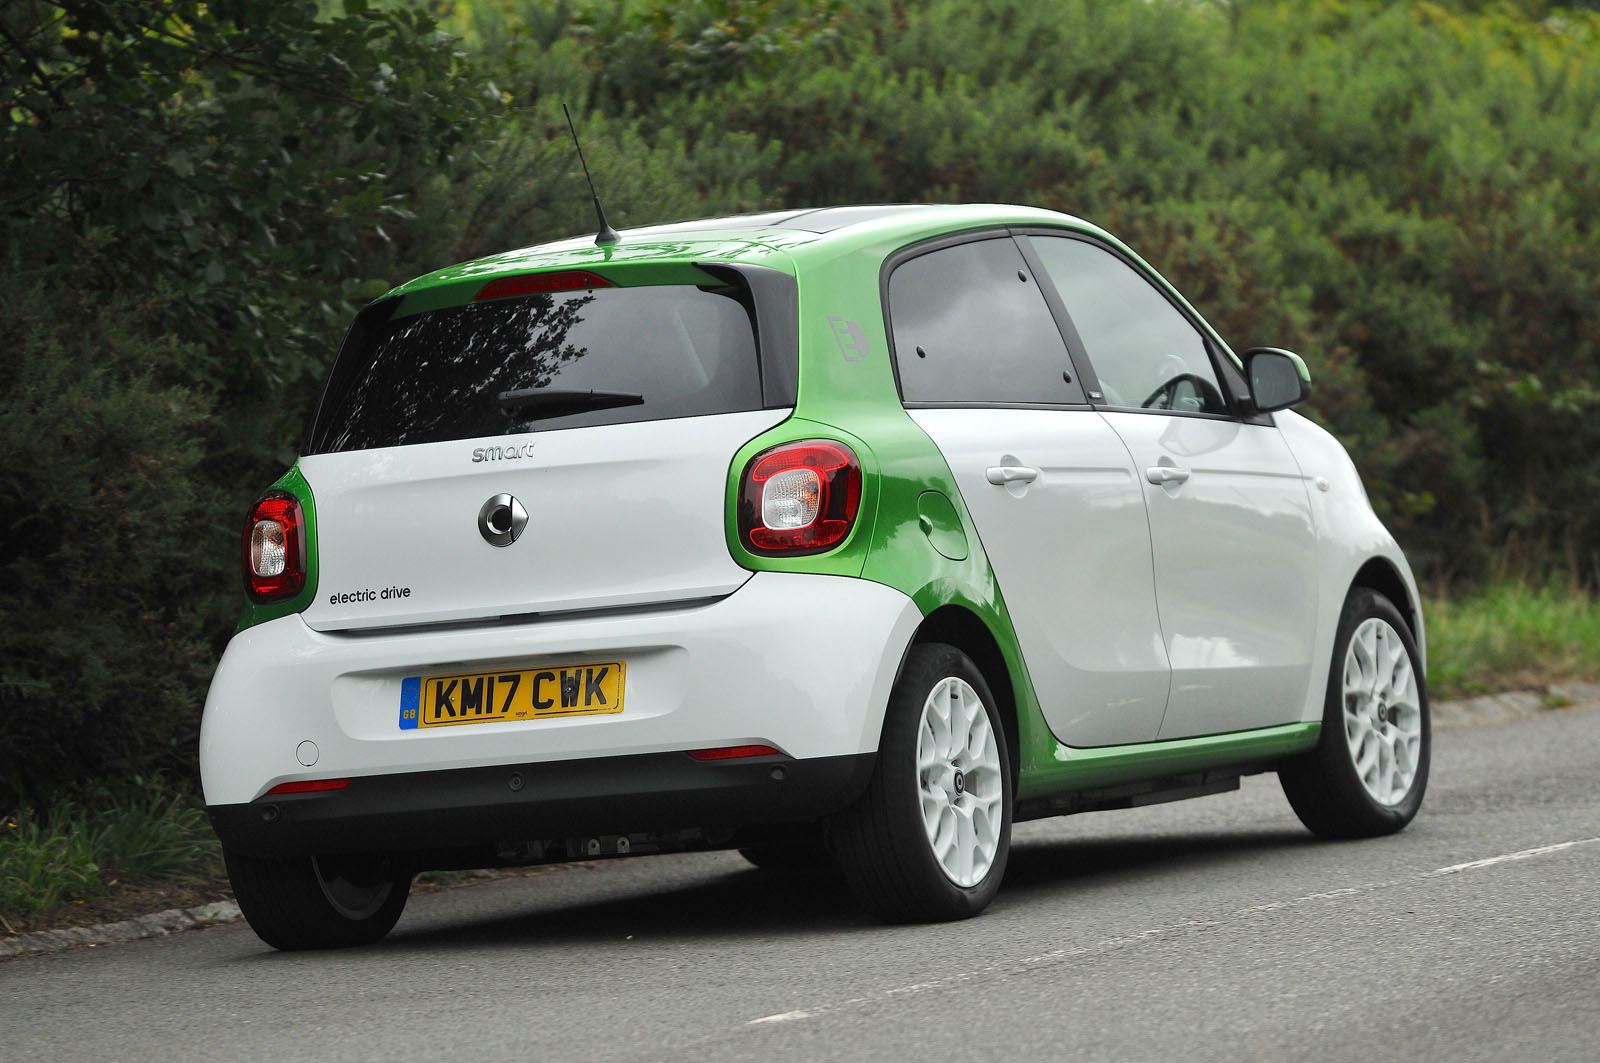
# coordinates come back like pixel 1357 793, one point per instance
pixel 308 786
pixel 735 752
pixel 572 280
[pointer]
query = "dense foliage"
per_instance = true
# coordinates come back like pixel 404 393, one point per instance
pixel 196 196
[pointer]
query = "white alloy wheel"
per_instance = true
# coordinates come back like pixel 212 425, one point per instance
pixel 960 782
pixel 930 837
pixel 1382 711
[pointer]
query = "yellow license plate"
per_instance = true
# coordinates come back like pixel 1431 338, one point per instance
pixel 588 689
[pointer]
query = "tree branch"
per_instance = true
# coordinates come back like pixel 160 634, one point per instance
pixel 33 64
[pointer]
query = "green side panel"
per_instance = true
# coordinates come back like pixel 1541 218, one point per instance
pixel 914 532
pixel 1068 770
pixel 295 484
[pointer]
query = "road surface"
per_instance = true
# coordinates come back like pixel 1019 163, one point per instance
pixel 1211 929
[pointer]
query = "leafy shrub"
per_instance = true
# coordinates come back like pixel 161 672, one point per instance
pixel 78 845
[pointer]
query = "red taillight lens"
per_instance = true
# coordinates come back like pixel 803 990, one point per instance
pixel 571 280
pixel 799 498
pixel 275 548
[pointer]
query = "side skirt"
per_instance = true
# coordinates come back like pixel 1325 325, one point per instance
pixel 1081 780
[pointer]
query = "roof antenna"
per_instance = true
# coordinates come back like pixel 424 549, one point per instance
pixel 607 234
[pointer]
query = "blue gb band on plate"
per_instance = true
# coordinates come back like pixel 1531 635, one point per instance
pixel 410 702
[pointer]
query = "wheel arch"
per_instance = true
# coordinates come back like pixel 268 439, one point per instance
pixel 1380 574
pixel 958 626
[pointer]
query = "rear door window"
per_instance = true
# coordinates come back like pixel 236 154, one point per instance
pixel 971 326
pixel 543 361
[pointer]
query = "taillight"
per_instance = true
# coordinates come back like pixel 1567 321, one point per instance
pixel 275 548
pixel 799 498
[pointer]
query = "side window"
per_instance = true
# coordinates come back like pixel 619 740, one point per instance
pixel 1146 354
pixel 970 325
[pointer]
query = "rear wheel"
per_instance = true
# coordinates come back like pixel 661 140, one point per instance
pixel 320 902
pixel 805 853
pixel 1367 775
pixel 930 837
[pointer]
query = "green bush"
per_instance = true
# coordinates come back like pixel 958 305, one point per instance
pixel 115 566
pixel 197 197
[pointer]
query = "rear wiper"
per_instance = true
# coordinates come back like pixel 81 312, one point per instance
pixel 556 402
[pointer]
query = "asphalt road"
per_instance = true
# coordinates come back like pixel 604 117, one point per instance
pixel 1212 929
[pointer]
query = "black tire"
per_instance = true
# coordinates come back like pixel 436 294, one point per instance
pixel 881 842
pixel 802 855
pixel 327 902
pixel 1323 786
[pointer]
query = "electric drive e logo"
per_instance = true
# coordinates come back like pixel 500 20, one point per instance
pixel 852 339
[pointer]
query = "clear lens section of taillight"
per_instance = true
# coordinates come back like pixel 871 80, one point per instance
pixel 791 499
pixel 269 549
pixel 799 498
pixel 274 551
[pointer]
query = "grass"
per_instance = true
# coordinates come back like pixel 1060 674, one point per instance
pixel 1514 634
pixel 1511 635
pixel 81 846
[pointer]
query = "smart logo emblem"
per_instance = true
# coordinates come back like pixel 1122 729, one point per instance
pixel 513 453
pixel 501 520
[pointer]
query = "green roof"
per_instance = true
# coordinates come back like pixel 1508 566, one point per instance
pixel 777 239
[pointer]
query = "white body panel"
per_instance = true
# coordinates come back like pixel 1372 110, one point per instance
pixel 1349 535
pixel 1071 552
pixel 755 667
pixel 1236 570
pixel 618 515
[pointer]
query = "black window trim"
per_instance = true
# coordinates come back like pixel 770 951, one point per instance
pixel 1228 374
pixel 939 243
pixel 771 299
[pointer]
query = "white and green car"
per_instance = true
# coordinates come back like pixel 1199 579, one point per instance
pixel 852 534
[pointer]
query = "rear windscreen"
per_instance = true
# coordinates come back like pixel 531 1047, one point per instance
pixel 539 362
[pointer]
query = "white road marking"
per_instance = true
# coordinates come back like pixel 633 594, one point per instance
pixel 1055 956
pixel 1522 855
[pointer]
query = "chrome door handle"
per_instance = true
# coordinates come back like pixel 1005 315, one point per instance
pixel 1166 474
pixel 1000 475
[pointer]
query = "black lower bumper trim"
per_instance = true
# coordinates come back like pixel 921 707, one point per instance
pixel 506 805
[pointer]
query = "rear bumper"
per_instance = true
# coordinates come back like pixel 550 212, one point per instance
pixel 505 812
pixel 803 663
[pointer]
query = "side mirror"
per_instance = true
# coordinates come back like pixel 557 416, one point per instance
pixel 1278 378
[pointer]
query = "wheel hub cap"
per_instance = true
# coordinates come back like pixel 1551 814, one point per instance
pixel 1382 711
pixel 959 781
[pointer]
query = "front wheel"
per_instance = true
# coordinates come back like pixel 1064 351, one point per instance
pixel 320 902
pixel 1368 772
pixel 930 837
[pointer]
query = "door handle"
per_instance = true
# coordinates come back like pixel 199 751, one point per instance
pixel 1166 474
pixel 1000 475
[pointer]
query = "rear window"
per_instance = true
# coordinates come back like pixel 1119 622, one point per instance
pixel 529 363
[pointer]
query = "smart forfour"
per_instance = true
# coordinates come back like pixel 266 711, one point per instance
pixel 854 535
